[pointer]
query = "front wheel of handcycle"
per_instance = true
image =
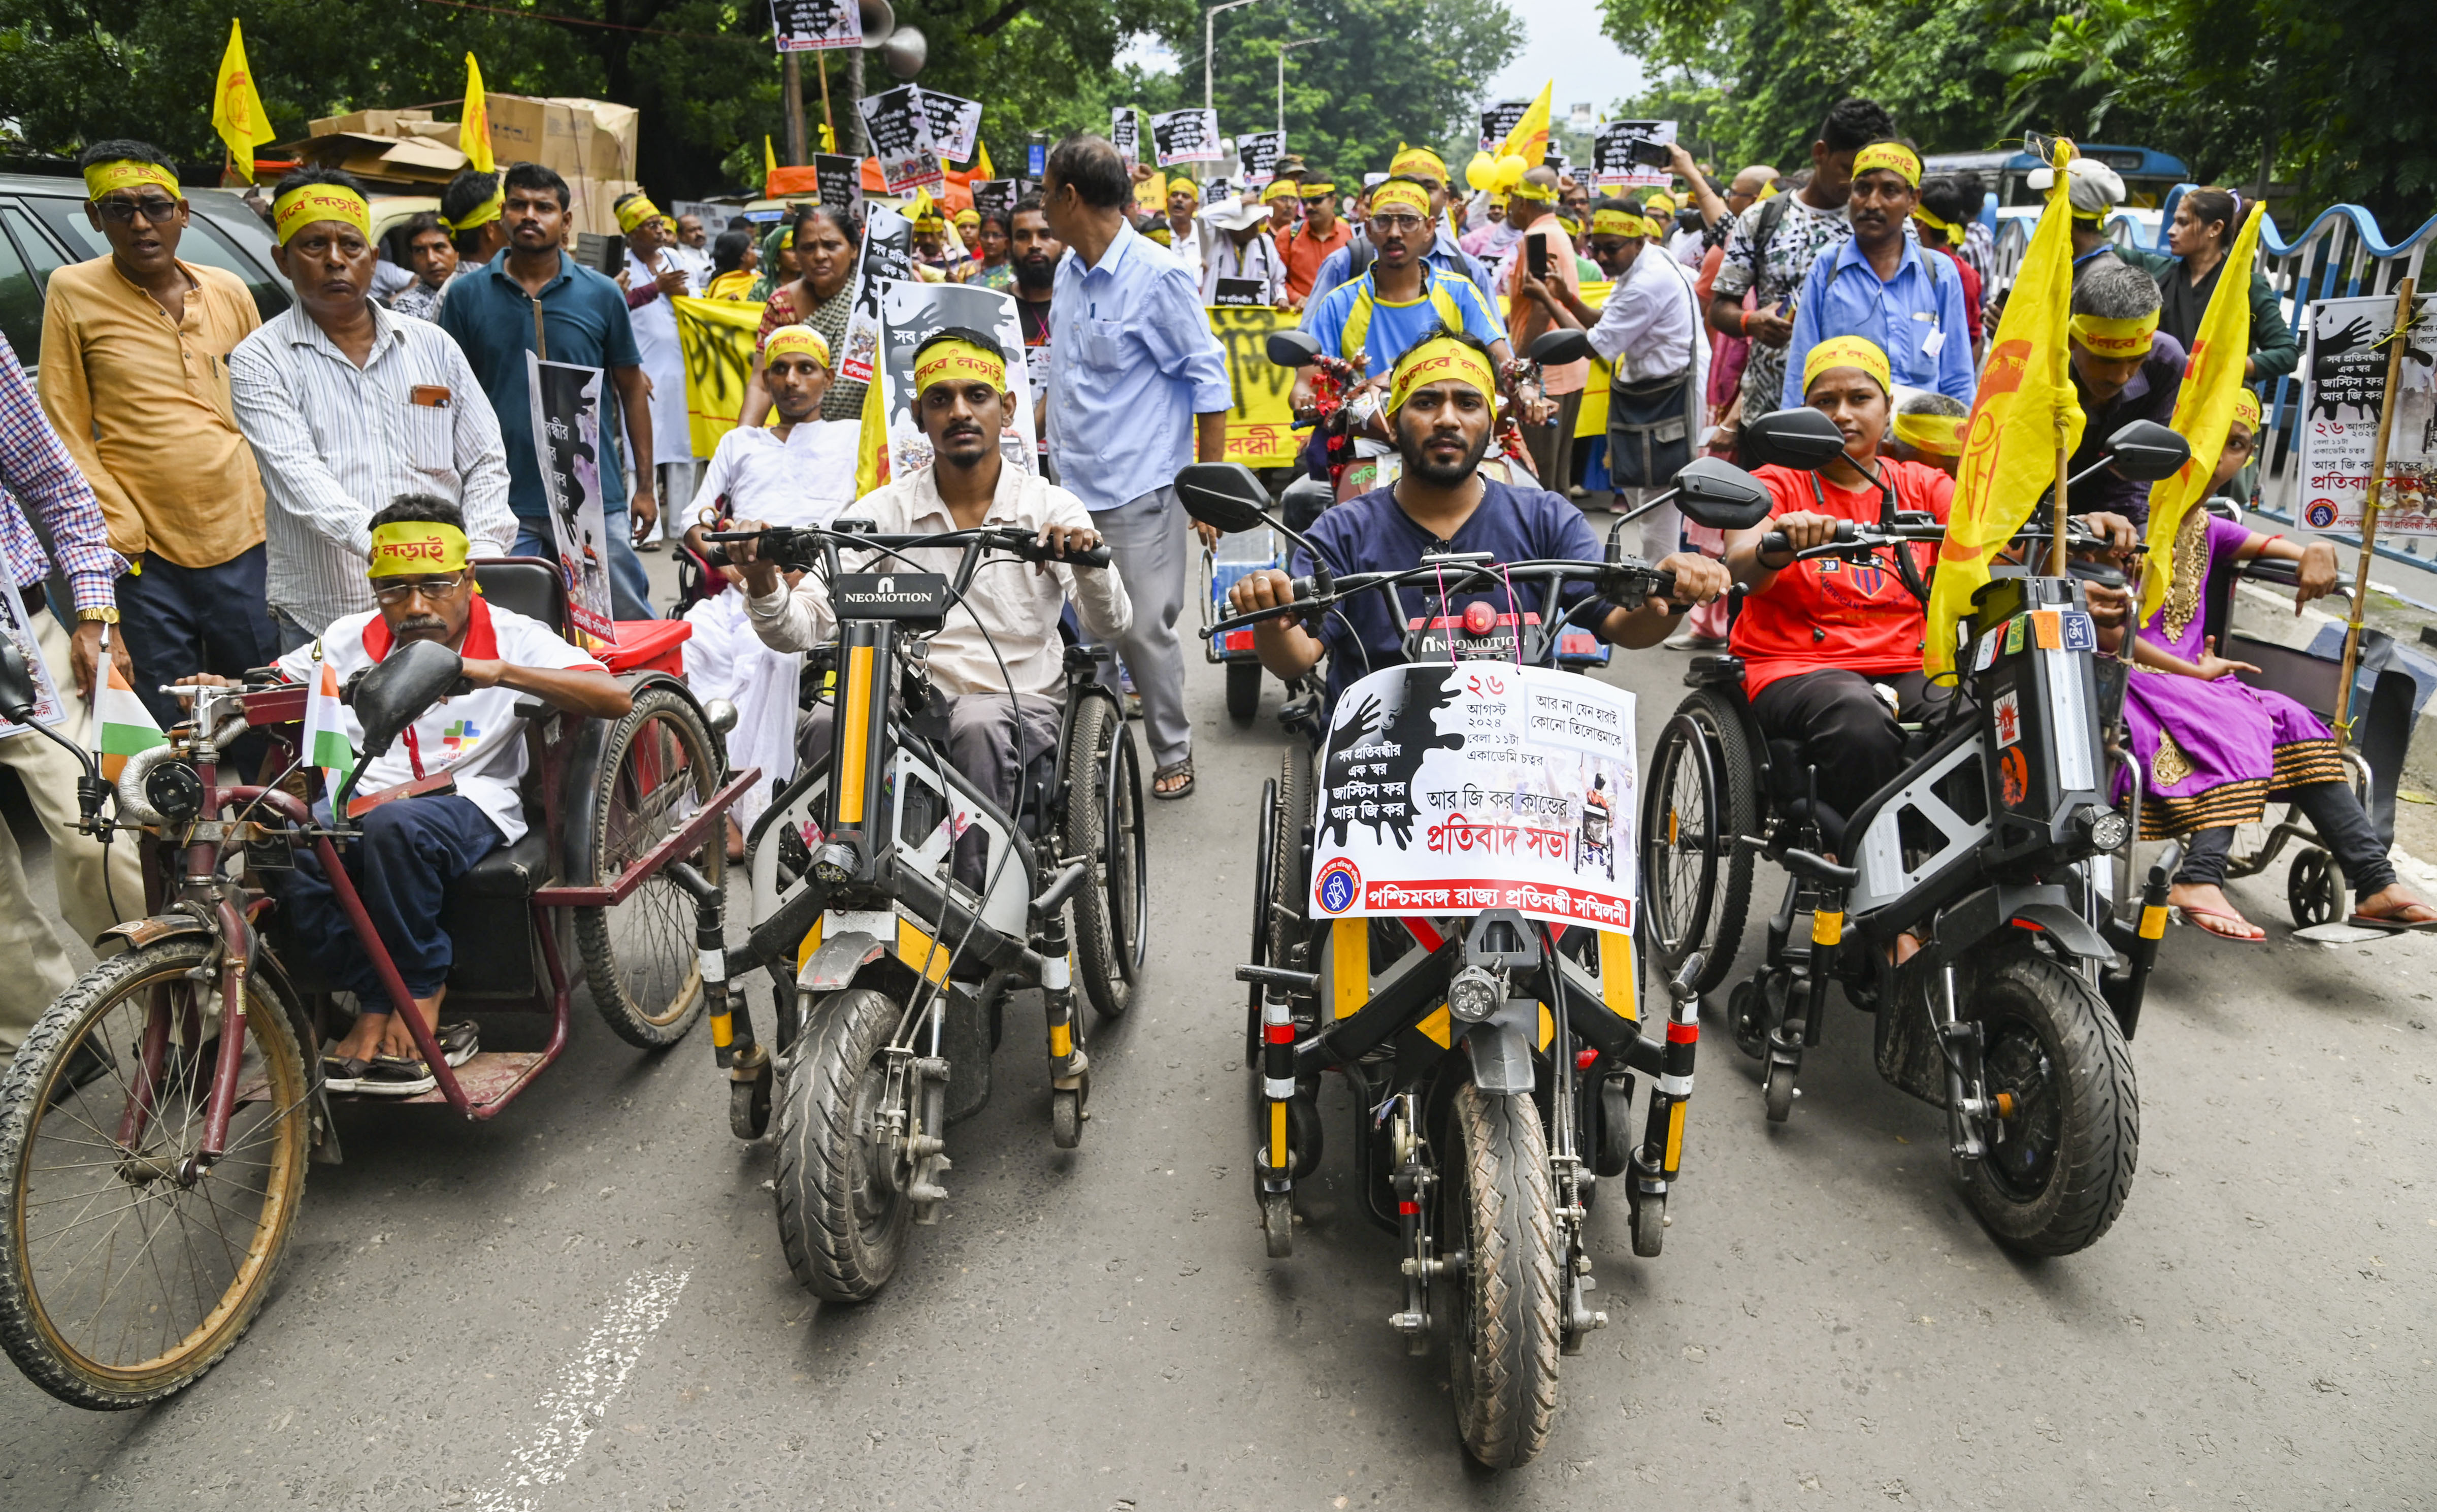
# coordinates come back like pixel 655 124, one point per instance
pixel 2059 1173
pixel 128 1268
pixel 1502 1334
pixel 659 766
pixel 1700 800
pixel 1104 826
pixel 842 1179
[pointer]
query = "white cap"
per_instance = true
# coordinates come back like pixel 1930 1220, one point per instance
pixel 2093 186
pixel 1236 215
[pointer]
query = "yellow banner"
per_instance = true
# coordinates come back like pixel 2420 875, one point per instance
pixel 1591 419
pixel 2203 408
pixel 716 336
pixel 1260 428
pixel 2024 414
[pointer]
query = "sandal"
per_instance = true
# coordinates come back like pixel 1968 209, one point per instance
pixel 396 1076
pixel 344 1073
pixel 2197 917
pixel 2394 924
pixel 1183 769
pixel 458 1042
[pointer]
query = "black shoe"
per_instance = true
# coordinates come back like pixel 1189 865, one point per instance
pixel 396 1076
pixel 459 1042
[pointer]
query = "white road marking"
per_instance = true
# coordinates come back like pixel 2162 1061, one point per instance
pixel 583 1396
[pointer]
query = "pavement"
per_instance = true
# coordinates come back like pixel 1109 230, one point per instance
pixel 582 1304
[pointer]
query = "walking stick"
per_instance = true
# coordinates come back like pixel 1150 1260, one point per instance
pixel 2403 311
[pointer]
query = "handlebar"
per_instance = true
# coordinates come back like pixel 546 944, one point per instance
pixel 1628 581
pixel 794 546
pixel 1860 538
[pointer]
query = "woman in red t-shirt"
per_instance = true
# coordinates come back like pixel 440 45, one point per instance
pixel 1816 636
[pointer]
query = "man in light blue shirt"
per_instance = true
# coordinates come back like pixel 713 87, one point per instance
pixel 1137 388
pixel 1883 287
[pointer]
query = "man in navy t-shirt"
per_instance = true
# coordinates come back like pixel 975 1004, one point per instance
pixel 1440 410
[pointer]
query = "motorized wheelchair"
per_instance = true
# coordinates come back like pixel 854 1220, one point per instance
pixel 1991 853
pixel 889 974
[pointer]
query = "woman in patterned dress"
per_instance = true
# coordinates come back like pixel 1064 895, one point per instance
pixel 826 246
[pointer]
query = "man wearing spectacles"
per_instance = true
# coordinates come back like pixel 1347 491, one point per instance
pixel 134 378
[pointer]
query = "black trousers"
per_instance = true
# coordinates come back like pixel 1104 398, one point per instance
pixel 2341 825
pixel 1845 728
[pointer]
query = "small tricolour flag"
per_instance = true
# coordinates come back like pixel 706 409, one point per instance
pixel 122 726
pixel 327 745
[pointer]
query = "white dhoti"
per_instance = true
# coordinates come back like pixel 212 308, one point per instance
pixel 726 660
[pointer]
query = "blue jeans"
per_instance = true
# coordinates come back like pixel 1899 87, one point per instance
pixel 176 620
pixel 630 590
pixel 410 850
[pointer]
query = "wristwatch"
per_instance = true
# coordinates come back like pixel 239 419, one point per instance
pixel 105 613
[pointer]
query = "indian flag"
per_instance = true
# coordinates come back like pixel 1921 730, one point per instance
pixel 325 729
pixel 122 724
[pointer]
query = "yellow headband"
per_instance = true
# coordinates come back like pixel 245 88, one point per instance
pixel 1940 435
pixel 959 362
pixel 1944 227
pixel 1659 204
pixel 1847 351
pixel 1408 195
pixel 123 174
pixel 307 204
pixel 929 222
pixel 1895 157
pixel 1281 189
pixel 481 215
pixel 1186 187
pixel 969 214
pixel 406 547
pixel 1418 161
pixel 2246 409
pixel 1538 193
pixel 635 212
pixel 1617 223
pixel 1567 225
pixel 2115 340
pixel 1444 359
pixel 1314 191
pixel 796 340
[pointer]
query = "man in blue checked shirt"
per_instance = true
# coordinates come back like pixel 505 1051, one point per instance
pixel 1881 286
pixel 1137 388
pixel 36 470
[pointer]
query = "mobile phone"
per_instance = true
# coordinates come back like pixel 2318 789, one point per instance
pixel 613 253
pixel 1650 155
pixel 1536 256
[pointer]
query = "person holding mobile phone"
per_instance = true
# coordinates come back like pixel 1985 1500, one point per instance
pixel 1547 254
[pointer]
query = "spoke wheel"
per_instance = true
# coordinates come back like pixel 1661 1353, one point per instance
pixel 1502 1337
pixel 841 1180
pixel 125 1274
pixel 1700 799
pixel 1104 826
pixel 659 766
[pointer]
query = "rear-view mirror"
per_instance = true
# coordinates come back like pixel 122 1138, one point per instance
pixel 1715 493
pixel 393 694
pixel 1557 348
pixel 16 683
pixel 2146 452
pixel 1801 438
pixel 1292 348
pixel 1227 496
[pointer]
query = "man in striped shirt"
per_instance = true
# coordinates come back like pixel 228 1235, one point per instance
pixel 348 405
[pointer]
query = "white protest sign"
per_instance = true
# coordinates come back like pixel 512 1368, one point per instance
pixel 1500 119
pixel 566 399
pixel 1620 154
pixel 1185 136
pixel 2343 375
pixel 910 311
pixel 811 25
pixel 1259 153
pixel 1125 133
pixel 955 124
pixel 888 255
pixel 901 139
pixel 1451 789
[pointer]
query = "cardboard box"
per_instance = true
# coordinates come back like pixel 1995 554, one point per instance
pixel 387 160
pixel 375 123
pixel 581 138
pixel 589 203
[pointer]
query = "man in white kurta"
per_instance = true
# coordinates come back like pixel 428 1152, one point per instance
pixel 659 271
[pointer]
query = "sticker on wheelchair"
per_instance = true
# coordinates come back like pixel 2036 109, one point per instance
pixel 890 595
pixel 1452 789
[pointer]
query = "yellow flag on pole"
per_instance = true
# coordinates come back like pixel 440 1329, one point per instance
pixel 238 115
pixel 2026 410
pixel 982 168
pixel 2203 408
pixel 769 169
pixel 473 121
pixel 1530 139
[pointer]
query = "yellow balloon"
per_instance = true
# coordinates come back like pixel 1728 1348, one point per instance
pixel 1511 170
pixel 1482 171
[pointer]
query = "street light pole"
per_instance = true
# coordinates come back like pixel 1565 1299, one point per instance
pixel 1283 48
pixel 1207 18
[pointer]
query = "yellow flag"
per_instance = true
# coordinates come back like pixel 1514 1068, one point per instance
pixel 1530 139
pixel 982 168
pixel 237 108
pixel 871 441
pixel 829 138
pixel 2203 408
pixel 716 337
pixel 2026 410
pixel 769 169
pixel 473 121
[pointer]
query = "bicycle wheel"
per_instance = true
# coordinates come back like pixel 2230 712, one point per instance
pixel 1104 826
pixel 1502 1317
pixel 124 1276
pixel 840 1185
pixel 1701 797
pixel 659 766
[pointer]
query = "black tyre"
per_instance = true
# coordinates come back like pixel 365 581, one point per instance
pixel 1501 1323
pixel 659 766
pixel 1702 795
pixel 1243 690
pixel 2057 1179
pixel 1264 867
pixel 1291 860
pixel 166 1268
pixel 841 1183
pixel 1104 822
pixel 2312 889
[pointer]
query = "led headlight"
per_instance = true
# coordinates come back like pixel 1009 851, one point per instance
pixel 1474 995
pixel 2106 829
pixel 833 864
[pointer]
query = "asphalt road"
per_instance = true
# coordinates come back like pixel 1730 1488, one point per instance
pixel 583 1305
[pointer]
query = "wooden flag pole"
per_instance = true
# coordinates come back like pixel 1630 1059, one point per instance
pixel 2055 557
pixel 829 122
pixel 2370 507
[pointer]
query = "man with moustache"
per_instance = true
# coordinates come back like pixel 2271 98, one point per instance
pixel 1032 252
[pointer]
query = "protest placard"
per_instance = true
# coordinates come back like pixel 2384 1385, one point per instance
pixel 1498 119
pixel 1240 293
pixel 901 139
pixel 1185 136
pixel 841 182
pixel 565 399
pixel 955 124
pixel 811 25
pixel 1613 158
pixel 1260 152
pixel 997 194
pixel 2343 373
pixel 888 255
pixel 910 312
pixel 1484 785
pixel 717 338
pixel 1260 426
pixel 1125 131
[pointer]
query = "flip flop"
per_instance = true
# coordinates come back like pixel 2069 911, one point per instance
pixel 1183 769
pixel 2193 916
pixel 2393 926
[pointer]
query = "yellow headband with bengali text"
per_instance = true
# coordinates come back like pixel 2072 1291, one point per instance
pixel 636 212
pixel 2115 340
pixel 406 547
pixel 1407 196
pixel 310 203
pixel 1420 162
pixel 1278 190
pixel 1894 157
pixel 1617 223
pixel 124 174
pixel 1443 360
pixel 959 362
pixel 795 341
pixel 1312 189
pixel 2246 409
pixel 481 215
pixel 1537 193
pixel 1847 351
pixel 1953 232
pixel 1940 435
